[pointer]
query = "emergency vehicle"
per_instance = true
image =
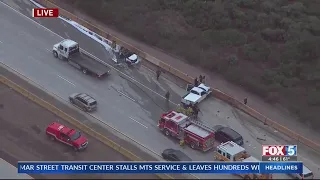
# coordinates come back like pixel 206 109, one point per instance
pixel 68 136
pixel 230 151
pixel 194 133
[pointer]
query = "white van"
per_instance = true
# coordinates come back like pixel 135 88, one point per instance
pixel 306 174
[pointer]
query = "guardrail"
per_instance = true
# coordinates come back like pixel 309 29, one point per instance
pixel 75 122
pixel 217 93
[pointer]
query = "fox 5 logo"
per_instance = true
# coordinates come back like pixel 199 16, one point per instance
pixel 279 150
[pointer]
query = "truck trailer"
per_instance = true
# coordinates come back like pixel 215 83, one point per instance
pixel 69 50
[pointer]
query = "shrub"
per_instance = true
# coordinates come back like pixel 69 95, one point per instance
pixel 230 37
pixel 314 97
pixel 314 25
pixel 273 35
pixel 268 6
pixel 295 9
pixel 256 52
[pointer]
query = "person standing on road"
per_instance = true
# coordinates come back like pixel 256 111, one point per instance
pixel 196 111
pixel 167 95
pixel 196 82
pixel 158 73
pixel 245 101
pixel 200 78
pixel 189 111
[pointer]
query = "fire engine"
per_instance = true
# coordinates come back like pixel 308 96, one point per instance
pixel 191 132
pixel 230 151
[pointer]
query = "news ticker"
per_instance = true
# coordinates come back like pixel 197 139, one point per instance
pixel 159 167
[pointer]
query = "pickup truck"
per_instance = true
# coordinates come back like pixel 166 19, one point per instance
pixel 68 136
pixel 69 50
pixel 195 94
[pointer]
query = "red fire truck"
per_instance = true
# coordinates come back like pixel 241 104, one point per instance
pixel 194 133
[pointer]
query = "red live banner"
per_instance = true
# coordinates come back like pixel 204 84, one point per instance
pixel 45 12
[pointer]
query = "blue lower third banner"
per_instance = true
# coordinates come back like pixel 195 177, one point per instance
pixel 159 167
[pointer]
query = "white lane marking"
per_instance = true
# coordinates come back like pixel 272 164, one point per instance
pixel 137 122
pixel 122 113
pixel 126 96
pixel 66 80
pixel 158 84
pixel 87 52
pixel 64 23
pixel 67 34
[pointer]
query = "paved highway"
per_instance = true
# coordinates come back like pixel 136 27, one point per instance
pixel 126 103
pixel 23 138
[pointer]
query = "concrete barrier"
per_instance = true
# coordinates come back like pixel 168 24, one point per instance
pixel 75 123
pixel 217 93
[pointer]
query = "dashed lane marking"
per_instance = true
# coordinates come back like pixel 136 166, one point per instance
pixel 126 96
pixel 66 80
pixel 138 122
pixel 67 35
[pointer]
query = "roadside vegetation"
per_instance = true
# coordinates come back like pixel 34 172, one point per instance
pixel 270 47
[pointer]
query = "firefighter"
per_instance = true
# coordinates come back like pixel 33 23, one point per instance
pixel 181 142
pixel 195 113
pixel 196 110
pixel 189 111
pixel 180 109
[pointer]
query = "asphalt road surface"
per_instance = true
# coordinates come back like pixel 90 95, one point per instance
pixel 130 100
pixel 23 138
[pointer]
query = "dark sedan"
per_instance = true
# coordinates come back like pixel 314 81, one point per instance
pixel 224 134
pixel 174 155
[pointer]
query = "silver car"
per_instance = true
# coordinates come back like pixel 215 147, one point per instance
pixel 83 101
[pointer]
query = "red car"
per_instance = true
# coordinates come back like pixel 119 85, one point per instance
pixel 68 136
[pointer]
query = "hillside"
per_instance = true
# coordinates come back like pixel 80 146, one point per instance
pixel 270 47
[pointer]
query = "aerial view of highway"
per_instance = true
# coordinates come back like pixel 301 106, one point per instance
pixel 24 139
pixel 131 100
